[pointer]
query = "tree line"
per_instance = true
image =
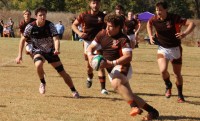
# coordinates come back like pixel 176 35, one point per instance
pixel 185 8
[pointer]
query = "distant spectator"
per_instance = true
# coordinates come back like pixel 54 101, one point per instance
pixel 6 31
pixel 60 29
pixel 1 27
pixel 10 26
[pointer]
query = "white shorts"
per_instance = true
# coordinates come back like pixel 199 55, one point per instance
pixel 117 71
pixel 86 45
pixel 170 53
pixel 132 39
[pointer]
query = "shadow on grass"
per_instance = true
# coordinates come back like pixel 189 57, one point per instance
pixel 146 73
pixel 178 118
pixel 159 74
pixel 90 97
pixel 3 106
pixel 10 66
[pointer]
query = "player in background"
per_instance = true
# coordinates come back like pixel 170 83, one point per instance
pixel 46 46
pixel 22 25
pixel 137 29
pixel 130 26
pixel 91 22
pixel 117 52
pixel 169 35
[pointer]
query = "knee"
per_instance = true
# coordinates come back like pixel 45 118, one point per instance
pixel 178 76
pixel 59 68
pixel 38 62
pixel 115 84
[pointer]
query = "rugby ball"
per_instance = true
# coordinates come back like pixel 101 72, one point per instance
pixel 96 62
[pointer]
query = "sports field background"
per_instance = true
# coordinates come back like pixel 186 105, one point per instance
pixel 20 99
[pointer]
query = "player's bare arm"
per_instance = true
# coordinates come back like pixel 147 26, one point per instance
pixel 150 32
pixel 190 26
pixel 90 51
pixel 21 46
pixel 57 45
pixel 76 30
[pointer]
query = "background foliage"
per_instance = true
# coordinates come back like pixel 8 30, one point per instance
pixel 186 8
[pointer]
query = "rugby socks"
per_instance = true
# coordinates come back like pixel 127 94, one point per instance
pixel 90 76
pixel 132 103
pixel 102 80
pixel 180 89
pixel 148 108
pixel 43 81
pixel 168 83
pixel 73 89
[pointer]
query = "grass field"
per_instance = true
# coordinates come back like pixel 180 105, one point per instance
pixel 21 101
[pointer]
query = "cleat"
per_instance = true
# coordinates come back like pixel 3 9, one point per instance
pixel 104 91
pixel 135 111
pixel 75 94
pixel 89 83
pixel 168 93
pixel 151 116
pixel 42 88
pixel 181 99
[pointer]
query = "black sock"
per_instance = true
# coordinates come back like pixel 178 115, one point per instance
pixel 168 83
pixel 180 89
pixel 73 89
pixel 132 104
pixel 102 80
pixel 43 81
pixel 90 76
pixel 148 108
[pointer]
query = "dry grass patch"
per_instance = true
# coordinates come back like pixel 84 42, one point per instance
pixel 21 101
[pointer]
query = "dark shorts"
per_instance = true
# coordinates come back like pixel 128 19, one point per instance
pixel 50 57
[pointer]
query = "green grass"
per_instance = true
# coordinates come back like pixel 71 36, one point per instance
pixel 21 101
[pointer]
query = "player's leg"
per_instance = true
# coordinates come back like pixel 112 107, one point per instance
pixel 179 81
pixel 38 61
pixel 29 48
pixel 89 68
pixel 120 83
pixel 132 40
pixel 177 65
pixel 60 69
pixel 102 79
pixel 163 66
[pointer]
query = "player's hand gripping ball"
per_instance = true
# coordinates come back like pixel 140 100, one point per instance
pixel 96 62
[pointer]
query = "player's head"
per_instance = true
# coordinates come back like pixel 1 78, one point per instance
pixel 40 14
pixel 130 15
pixel 161 8
pixel 119 9
pixel 94 5
pixel 114 23
pixel 27 14
pixel 40 9
pixel 27 11
pixel 95 0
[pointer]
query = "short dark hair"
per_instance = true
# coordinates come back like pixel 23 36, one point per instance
pixel 119 7
pixel 40 9
pixel 162 3
pixel 117 20
pixel 95 0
